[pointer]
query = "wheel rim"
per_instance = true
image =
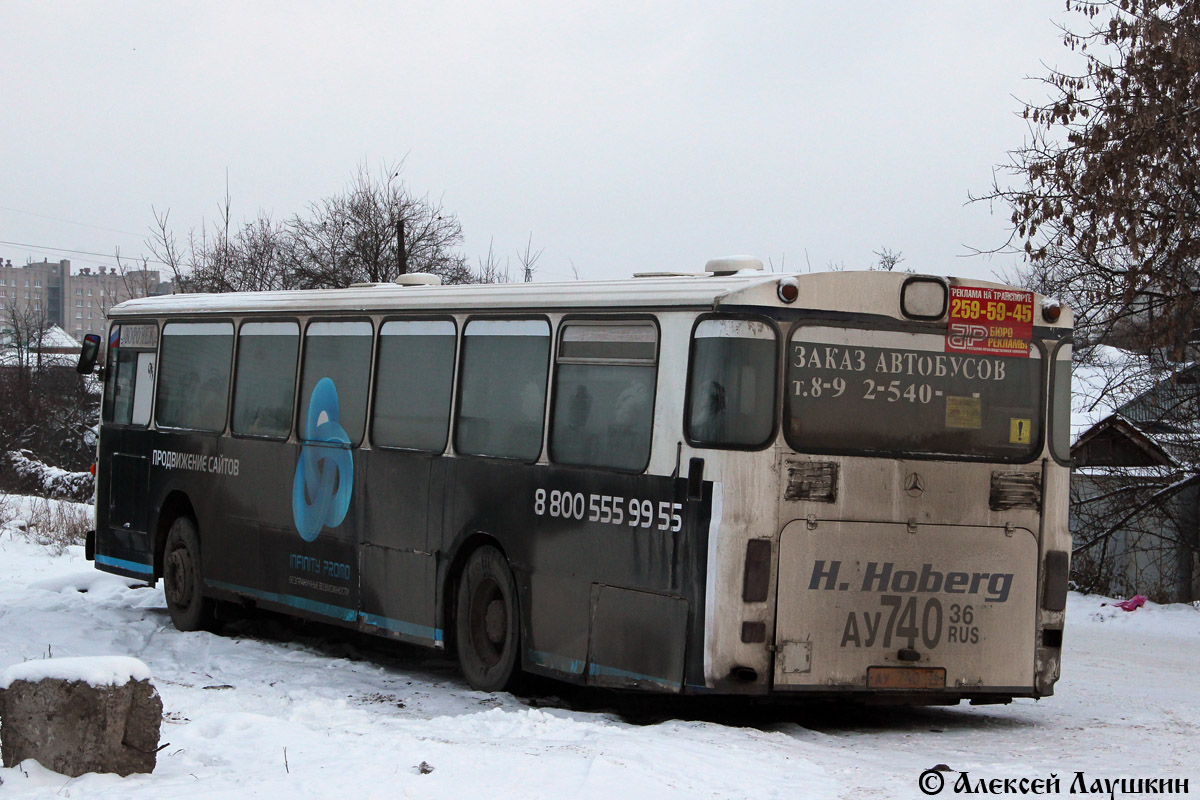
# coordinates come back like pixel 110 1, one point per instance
pixel 488 618
pixel 178 578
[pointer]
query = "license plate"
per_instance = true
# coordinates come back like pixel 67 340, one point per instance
pixel 906 677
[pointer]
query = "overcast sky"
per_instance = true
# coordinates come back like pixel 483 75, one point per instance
pixel 624 136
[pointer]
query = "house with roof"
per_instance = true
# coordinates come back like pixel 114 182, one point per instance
pixel 1135 487
pixel 55 347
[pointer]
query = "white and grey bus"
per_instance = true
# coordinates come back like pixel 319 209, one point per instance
pixel 731 482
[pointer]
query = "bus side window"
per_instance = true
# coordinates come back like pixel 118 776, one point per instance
pixel 503 398
pixel 265 383
pixel 118 405
pixel 732 384
pixel 339 352
pixel 193 380
pixel 414 381
pixel 604 395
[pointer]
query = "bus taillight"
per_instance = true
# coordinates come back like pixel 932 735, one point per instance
pixel 789 290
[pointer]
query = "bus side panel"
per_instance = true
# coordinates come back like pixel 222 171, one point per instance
pixel 643 632
pixel 401 501
pixel 242 493
pixel 567 532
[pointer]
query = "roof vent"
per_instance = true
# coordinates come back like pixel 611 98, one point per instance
pixel 419 279
pixel 732 264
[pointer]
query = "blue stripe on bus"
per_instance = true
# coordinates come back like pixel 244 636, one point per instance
pixel 337 612
pixel 596 669
pixel 575 666
pixel 120 563
pixel 302 603
pixel 400 626
pixel 560 663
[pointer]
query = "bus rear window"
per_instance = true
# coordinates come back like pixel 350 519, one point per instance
pixel 862 391
pixel 731 388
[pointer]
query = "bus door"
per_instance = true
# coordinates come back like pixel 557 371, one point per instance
pixel 131 390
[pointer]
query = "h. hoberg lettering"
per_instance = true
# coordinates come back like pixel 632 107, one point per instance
pixel 885 577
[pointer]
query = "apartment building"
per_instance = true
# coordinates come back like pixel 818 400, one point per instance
pixel 74 301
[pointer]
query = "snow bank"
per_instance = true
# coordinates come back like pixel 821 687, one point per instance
pixel 87 580
pixel 49 480
pixel 1175 619
pixel 280 715
pixel 96 670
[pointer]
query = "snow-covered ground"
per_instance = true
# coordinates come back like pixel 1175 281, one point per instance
pixel 268 711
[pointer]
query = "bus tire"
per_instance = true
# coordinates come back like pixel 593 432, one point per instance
pixel 183 582
pixel 488 622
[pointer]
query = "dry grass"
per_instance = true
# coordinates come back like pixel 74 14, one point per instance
pixel 57 525
pixel 7 511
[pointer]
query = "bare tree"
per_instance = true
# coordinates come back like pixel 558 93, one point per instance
pixel 490 270
pixel 888 259
pixel 1106 200
pixel 166 249
pixel 529 258
pixel 373 232
pixel 25 327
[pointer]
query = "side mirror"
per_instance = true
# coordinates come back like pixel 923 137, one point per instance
pixel 87 354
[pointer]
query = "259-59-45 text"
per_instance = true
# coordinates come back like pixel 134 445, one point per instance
pixel 608 509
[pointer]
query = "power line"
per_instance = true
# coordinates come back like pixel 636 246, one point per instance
pixel 37 247
pixel 68 221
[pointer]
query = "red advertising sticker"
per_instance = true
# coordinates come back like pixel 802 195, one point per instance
pixel 994 322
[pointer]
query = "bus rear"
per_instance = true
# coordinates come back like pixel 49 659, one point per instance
pixel 920 551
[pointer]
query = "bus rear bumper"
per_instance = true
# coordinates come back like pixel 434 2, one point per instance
pixel 89 545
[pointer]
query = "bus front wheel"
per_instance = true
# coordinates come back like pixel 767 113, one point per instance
pixel 183 583
pixel 487 621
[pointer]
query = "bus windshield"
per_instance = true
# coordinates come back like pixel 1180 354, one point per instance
pixel 852 390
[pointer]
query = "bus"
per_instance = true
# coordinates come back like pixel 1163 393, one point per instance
pixel 734 482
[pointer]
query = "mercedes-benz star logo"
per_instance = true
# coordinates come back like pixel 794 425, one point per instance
pixel 914 484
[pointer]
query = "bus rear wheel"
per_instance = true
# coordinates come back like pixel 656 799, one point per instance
pixel 487 622
pixel 183 582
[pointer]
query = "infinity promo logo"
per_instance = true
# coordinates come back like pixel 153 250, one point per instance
pixel 325 471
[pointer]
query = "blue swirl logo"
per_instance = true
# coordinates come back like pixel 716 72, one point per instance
pixel 325 471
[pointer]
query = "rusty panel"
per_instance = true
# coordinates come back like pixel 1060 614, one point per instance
pixel 812 480
pixel 637 639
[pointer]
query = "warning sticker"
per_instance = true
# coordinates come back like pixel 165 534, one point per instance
pixel 997 322
pixel 1020 431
